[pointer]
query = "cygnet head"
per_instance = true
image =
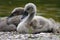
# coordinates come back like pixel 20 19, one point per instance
pixel 16 11
pixel 30 8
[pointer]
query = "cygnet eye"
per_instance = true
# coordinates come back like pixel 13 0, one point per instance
pixel 29 8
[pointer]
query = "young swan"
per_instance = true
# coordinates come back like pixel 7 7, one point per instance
pixel 6 27
pixel 35 23
pixel 23 27
pixel 15 16
pixel 38 23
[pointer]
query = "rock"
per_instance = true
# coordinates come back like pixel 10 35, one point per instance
pixel 17 36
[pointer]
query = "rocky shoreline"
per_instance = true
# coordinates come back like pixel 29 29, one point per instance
pixel 17 36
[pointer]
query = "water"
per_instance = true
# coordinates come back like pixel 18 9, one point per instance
pixel 49 9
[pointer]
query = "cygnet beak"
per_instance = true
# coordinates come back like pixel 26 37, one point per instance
pixel 24 14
